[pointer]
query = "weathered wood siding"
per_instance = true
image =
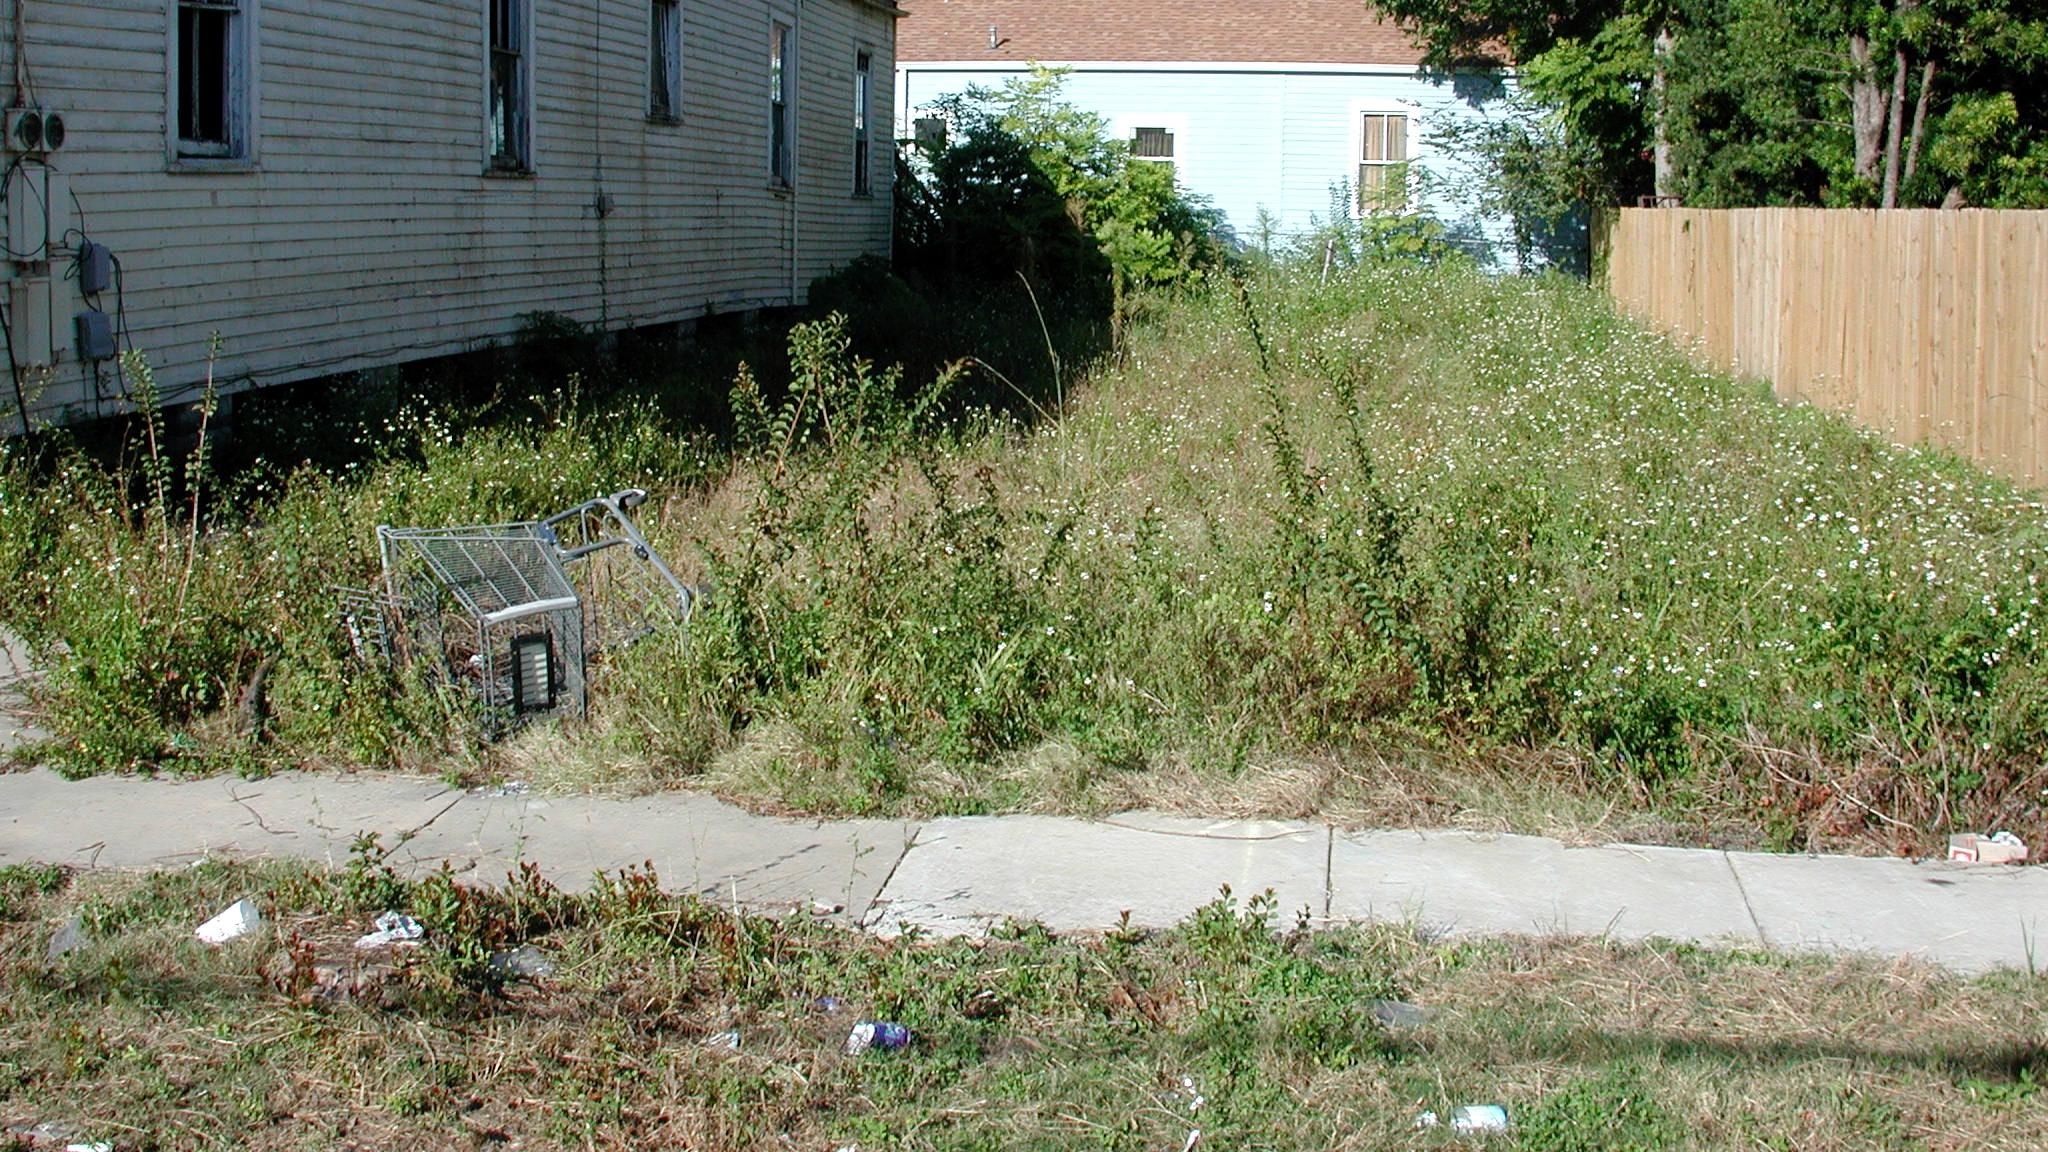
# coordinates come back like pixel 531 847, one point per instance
pixel 365 231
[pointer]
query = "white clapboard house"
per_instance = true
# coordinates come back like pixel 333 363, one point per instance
pixel 313 186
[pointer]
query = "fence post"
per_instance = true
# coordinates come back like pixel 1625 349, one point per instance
pixel 1599 243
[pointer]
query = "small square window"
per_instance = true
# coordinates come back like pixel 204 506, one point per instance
pixel 1152 144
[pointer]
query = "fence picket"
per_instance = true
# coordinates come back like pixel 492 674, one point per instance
pixel 1924 324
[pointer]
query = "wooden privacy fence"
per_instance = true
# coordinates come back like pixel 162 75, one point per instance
pixel 1928 325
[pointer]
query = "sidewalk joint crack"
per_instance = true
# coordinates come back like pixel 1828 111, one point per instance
pixel 1329 870
pixel 406 836
pixel 909 842
pixel 1743 890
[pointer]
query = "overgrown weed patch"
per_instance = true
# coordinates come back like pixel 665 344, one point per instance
pixel 1410 524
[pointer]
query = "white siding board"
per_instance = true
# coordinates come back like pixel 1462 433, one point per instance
pixel 367 231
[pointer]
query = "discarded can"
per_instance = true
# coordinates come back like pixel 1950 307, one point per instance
pixel 1474 1118
pixel 876 1034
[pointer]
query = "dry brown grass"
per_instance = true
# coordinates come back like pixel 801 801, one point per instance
pixel 153 1041
pixel 1830 1054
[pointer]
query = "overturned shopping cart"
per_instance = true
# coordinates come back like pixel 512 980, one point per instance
pixel 513 614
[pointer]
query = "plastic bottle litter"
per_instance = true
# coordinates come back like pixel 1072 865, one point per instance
pixel 984 1005
pixel 876 1034
pixel 522 963
pixel 1399 1015
pixel 49 1136
pixel 1479 1118
pixel 730 1041
pixel 68 938
pixel 1426 1120
pixel 237 919
pixel 393 928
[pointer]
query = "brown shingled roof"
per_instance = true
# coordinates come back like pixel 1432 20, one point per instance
pixel 1293 31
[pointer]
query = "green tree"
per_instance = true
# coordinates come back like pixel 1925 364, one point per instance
pixel 1030 176
pixel 1739 102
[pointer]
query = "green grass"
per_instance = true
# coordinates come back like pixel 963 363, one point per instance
pixel 149 1038
pixel 1418 545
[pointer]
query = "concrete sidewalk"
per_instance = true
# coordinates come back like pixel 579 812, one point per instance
pixel 964 875
pixel 16 729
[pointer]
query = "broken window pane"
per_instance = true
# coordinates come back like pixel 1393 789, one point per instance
pixel 508 111
pixel 778 104
pixel 863 67
pixel 664 66
pixel 206 77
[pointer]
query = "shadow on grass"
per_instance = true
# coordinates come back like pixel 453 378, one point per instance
pixel 1993 1061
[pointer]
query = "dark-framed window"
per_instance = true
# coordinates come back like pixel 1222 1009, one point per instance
pixel 1152 144
pixel 665 59
pixel 863 110
pixel 781 64
pixel 510 76
pixel 212 94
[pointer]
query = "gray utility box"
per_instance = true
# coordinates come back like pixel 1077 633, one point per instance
pixel 95 336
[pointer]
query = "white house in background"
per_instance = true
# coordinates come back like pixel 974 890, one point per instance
pixel 332 186
pixel 1258 106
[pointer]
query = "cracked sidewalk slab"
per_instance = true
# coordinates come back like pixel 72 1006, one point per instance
pixel 1466 883
pixel 17 727
pixel 127 822
pixel 1971 918
pixel 968 874
pixel 694 843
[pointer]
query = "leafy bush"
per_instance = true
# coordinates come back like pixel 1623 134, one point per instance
pixel 1032 184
